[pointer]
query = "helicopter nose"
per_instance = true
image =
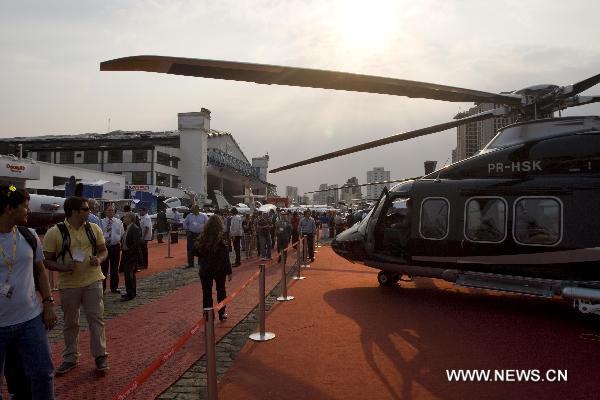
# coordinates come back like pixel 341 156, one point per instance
pixel 350 245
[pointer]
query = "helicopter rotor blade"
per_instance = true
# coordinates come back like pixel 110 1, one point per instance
pixel 581 100
pixel 290 76
pixel 397 138
pixel 581 86
pixel 361 184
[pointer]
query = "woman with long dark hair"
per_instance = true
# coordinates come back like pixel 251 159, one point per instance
pixel 213 255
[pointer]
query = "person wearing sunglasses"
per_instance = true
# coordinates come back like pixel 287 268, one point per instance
pixel 76 248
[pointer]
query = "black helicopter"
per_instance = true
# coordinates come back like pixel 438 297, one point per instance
pixel 521 216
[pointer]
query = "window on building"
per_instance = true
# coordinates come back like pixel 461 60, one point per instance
pixel 163 158
pixel 434 218
pixel 163 179
pixel 140 156
pixel 538 221
pixel 59 180
pixel 115 156
pixel 67 157
pixel 44 156
pixel 174 162
pixel 90 157
pixel 485 219
pixel 139 178
pixel 175 181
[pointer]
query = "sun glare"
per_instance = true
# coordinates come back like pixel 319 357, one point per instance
pixel 367 26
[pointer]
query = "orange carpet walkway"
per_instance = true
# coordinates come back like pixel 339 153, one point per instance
pixel 344 337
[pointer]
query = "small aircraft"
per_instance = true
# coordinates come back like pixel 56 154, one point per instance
pixel 520 216
pixel 223 204
pixel 45 210
pixel 170 204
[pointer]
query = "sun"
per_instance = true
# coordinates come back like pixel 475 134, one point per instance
pixel 367 26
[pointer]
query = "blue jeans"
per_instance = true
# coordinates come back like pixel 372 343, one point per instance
pixel 265 245
pixel 31 342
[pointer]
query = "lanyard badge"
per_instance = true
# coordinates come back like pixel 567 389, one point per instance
pixel 6 289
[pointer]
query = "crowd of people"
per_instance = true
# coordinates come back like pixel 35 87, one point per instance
pixel 87 249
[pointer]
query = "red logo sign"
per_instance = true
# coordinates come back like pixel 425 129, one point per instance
pixel 15 168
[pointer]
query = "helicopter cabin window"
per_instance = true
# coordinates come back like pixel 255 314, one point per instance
pixel 485 219
pixel 538 221
pixel 435 213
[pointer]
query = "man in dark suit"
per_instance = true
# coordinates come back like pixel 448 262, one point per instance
pixel 131 254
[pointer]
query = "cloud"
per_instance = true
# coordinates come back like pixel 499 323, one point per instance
pixel 52 84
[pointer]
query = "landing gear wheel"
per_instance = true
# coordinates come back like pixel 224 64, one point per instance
pixel 386 278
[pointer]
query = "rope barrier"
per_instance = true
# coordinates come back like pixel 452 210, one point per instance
pixel 165 356
pixel 158 362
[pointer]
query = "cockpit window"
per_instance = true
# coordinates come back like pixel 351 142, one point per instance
pixel 538 221
pixel 435 212
pixel 485 219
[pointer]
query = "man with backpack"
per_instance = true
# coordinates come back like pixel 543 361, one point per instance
pixel 76 248
pixel 23 317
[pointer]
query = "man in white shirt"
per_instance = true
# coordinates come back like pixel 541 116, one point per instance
pixel 146 226
pixel 112 229
pixel 236 232
pixel 193 225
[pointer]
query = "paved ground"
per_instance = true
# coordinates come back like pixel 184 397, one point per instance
pixel 344 337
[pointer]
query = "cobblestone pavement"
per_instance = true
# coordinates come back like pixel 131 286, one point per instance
pixel 192 384
pixel 149 289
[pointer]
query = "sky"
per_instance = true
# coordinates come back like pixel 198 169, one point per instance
pixel 50 82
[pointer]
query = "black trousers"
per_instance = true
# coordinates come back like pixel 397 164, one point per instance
pixel 310 243
pixel 144 260
pixel 191 238
pixel 130 264
pixel 236 248
pixel 112 264
pixel 207 282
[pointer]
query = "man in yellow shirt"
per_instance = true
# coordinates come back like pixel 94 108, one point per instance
pixel 80 280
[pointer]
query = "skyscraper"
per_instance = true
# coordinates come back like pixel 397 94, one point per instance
pixel 472 137
pixel 377 175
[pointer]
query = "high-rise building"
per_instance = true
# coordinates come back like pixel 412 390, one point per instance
pixel 350 192
pixel 377 175
pixel 304 199
pixel 291 192
pixel 328 194
pixel 474 136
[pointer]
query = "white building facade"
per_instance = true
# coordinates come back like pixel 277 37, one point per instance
pixel 378 174
pixel 194 158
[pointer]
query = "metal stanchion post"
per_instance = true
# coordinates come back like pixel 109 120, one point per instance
pixel 262 336
pixel 284 296
pixel 211 353
pixel 169 245
pixel 298 262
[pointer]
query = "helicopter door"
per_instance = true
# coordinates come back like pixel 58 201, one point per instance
pixel 372 222
pixel 393 228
